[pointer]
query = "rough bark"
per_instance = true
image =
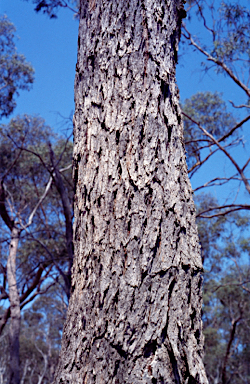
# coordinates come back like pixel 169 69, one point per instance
pixel 135 309
pixel 15 312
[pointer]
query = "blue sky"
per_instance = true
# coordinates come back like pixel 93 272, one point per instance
pixel 51 47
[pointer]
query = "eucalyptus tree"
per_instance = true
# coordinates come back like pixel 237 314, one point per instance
pixel 15 72
pixel 135 309
pixel 33 245
pixel 222 40
pixel 40 338
pixel 226 310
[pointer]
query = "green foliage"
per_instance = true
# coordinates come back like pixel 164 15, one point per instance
pixel 24 174
pixel 226 315
pixel 40 339
pixel 15 72
pixel 210 232
pixel 29 153
pixel 25 162
pixel 232 38
pixel 210 111
pixel 224 33
pixel 226 299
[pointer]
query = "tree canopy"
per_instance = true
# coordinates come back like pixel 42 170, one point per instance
pixel 15 72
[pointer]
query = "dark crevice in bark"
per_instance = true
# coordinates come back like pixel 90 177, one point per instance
pixel 171 288
pixel 150 348
pixel 119 168
pixel 197 335
pixel 165 90
pixel 129 225
pixel 91 59
pixel 158 241
pixel 189 284
pixel 156 180
pixel 183 230
pixel 116 298
pixel 75 170
pixel 74 365
pixel 169 129
pixel 120 351
pixel 117 137
pixel 143 276
pixel 162 273
pixel 115 193
pixel 192 380
pixel 104 296
pixel 132 302
pixel 142 134
pixel 83 322
pixel 94 104
pixel 117 364
pixel 174 364
pixel 148 196
pixel 193 317
pixel 164 333
pixel 133 184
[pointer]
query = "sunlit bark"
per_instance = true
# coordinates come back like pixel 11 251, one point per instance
pixel 135 310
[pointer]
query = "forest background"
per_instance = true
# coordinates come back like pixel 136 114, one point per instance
pixel 37 190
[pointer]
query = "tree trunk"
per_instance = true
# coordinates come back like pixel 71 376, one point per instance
pixel 135 309
pixel 67 210
pixel 15 312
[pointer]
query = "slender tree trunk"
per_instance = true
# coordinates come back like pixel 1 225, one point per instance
pixel 68 215
pixel 234 324
pixel 67 210
pixel 15 312
pixel 135 310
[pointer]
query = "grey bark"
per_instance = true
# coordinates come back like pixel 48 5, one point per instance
pixel 15 312
pixel 135 310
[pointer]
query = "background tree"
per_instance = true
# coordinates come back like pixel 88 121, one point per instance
pixel 15 72
pixel 35 217
pixel 226 310
pixel 209 126
pixel 40 338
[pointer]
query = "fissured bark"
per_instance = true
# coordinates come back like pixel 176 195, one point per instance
pixel 135 309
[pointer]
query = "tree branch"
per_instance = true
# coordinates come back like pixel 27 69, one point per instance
pixel 218 62
pixel 241 173
pixel 232 208
pixel 3 211
pixel 38 204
